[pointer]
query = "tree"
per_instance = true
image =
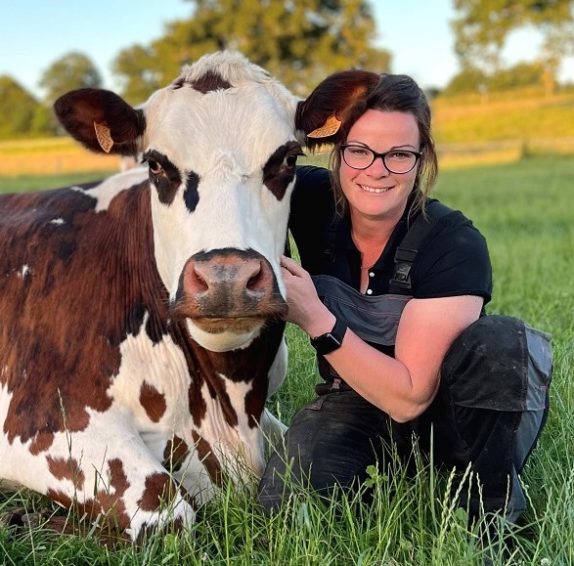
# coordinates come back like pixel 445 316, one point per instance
pixel 22 115
pixel 297 42
pixel 469 79
pixel 482 27
pixel 472 79
pixel 73 70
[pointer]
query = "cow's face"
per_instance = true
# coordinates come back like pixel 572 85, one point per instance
pixel 221 152
pixel 222 165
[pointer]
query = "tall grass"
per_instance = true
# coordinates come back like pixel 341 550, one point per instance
pixel 525 211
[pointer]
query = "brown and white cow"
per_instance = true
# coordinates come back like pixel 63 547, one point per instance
pixel 140 318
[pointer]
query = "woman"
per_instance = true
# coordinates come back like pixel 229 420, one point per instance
pixel 402 342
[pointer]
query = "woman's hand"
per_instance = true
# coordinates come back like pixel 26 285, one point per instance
pixel 305 308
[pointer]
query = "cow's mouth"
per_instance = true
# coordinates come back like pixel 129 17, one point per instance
pixel 240 325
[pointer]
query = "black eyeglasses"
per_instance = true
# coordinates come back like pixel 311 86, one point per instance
pixel 397 161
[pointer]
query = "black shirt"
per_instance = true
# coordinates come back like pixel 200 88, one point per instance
pixel 452 260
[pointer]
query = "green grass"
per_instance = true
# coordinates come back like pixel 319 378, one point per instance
pixel 525 211
pixel 22 183
pixel 512 115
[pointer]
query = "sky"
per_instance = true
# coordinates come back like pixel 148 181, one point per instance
pixel 35 33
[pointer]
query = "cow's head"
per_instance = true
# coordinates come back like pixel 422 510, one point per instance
pixel 221 148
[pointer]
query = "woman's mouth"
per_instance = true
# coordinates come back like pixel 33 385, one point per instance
pixel 375 190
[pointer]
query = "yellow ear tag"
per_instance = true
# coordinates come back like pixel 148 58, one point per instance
pixel 330 127
pixel 104 136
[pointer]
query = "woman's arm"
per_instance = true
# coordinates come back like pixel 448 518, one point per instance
pixel 403 386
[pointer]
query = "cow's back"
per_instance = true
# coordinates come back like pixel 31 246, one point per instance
pixel 69 294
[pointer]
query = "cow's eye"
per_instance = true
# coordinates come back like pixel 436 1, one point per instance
pixel 154 167
pixel 290 160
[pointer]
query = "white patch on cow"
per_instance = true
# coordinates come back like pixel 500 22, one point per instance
pixel 25 270
pixel 278 369
pixel 110 436
pixel 223 341
pixel 57 221
pixel 112 186
pixel 239 449
pixel 161 365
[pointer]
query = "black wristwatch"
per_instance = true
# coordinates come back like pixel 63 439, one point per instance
pixel 330 341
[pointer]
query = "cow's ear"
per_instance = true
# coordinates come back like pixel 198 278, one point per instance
pixel 101 120
pixel 322 114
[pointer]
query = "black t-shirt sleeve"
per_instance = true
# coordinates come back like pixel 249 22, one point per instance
pixel 452 261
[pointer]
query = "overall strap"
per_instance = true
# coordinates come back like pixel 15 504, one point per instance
pixel 405 255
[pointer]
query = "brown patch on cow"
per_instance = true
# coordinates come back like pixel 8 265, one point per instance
pixel 69 469
pixel 209 82
pixel 174 455
pixel 60 497
pixel 41 442
pixel 63 324
pixel 341 94
pixel 159 489
pixel 251 364
pixel 80 109
pixel 208 459
pixel 107 502
pixel 279 171
pixel 152 401
pixel 147 531
pixel 164 175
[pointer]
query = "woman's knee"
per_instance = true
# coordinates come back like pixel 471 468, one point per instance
pixel 498 363
pixel 331 442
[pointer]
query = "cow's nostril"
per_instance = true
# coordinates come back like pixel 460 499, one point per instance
pixel 198 283
pixel 254 282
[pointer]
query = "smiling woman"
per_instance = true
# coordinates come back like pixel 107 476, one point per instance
pixel 391 292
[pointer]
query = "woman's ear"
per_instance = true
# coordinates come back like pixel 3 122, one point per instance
pixel 320 116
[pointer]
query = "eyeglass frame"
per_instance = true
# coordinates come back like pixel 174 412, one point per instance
pixel 382 155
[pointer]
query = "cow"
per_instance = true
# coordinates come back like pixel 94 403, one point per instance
pixel 141 322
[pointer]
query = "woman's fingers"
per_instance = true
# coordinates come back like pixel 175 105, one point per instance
pixel 291 266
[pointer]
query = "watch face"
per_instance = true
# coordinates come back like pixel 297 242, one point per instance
pixel 326 343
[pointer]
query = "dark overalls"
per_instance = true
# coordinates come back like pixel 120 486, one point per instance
pixel 490 408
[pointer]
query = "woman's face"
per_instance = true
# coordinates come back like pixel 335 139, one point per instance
pixel 376 193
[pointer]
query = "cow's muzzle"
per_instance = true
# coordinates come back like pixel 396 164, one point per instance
pixel 228 290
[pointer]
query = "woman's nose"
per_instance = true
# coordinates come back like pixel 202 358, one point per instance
pixel 378 168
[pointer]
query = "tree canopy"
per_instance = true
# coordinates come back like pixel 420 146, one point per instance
pixel 21 113
pixel 473 79
pixel 482 27
pixel 297 42
pixel 72 70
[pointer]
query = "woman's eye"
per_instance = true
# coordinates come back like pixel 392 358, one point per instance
pixel 357 151
pixel 399 155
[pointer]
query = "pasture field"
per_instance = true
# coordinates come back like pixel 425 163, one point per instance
pixel 525 211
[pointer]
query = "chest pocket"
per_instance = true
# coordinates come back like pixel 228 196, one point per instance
pixel 374 319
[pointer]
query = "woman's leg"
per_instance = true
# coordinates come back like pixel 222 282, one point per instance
pixel 330 442
pixel 491 407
